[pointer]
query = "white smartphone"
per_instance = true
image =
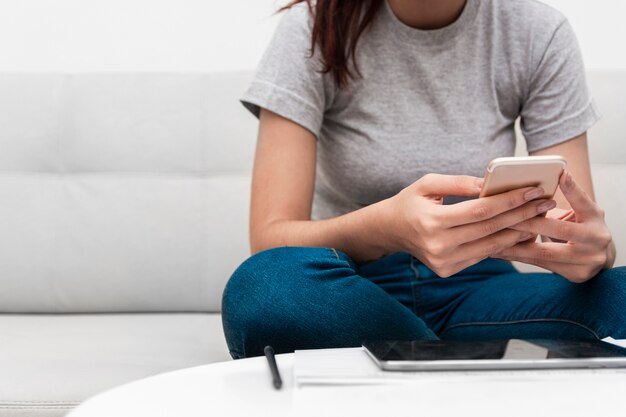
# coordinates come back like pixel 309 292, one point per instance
pixel 510 173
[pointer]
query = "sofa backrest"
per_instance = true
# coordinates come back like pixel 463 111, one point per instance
pixel 129 192
pixel 122 192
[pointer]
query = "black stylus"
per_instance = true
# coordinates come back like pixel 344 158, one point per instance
pixel 271 360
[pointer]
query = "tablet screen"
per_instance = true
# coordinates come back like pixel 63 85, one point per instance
pixel 439 350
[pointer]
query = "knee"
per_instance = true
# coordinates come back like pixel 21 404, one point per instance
pixel 619 273
pixel 266 293
pixel 275 270
pixel 261 272
pixel 606 295
pixel 256 268
pixel 610 285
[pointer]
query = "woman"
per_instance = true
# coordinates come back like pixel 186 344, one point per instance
pixel 371 113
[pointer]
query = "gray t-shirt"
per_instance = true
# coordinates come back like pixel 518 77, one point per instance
pixel 442 101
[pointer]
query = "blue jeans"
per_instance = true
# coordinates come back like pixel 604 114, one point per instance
pixel 306 298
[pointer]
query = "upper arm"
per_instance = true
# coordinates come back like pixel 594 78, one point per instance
pixel 558 109
pixel 558 104
pixel 284 174
pixel 290 95
pixel 576 154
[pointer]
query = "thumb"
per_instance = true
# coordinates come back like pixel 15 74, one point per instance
pixel 445 185
pixel 583 205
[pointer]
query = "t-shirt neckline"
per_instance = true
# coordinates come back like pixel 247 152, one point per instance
pixel 432 37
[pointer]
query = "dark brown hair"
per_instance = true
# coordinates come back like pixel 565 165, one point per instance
pixel 337 26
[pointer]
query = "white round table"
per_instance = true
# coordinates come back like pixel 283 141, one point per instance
pixel 244 388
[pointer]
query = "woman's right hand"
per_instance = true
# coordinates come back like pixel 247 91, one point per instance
pixel 450 238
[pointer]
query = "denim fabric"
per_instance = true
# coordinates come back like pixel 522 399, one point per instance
pixel 307 298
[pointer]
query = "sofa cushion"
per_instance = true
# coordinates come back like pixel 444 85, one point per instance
pixel 50 363
pixel 101 243
pixel 122 192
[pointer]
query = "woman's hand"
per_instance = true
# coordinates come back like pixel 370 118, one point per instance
pixel 581 243
pixel 453 237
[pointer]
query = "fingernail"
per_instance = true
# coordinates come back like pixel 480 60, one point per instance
pixel 533 193
pixel 545 206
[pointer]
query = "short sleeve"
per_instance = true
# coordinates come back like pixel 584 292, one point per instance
pixel 288 81
pixel 558 106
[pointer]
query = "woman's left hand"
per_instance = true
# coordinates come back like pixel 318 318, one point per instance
pixel 582 245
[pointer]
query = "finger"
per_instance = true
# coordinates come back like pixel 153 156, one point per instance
pixel 571 272
pixel 576 273
pixel 545 252
pixel 532 261
pixel 582 204
pixel 568 216
pixel 487 207
pixel 445 185
pixel 458 267
pixel 466 264
pixel 495 243
pixel 556 229
pixel 551 266
pixel 510 219
pixel 558 213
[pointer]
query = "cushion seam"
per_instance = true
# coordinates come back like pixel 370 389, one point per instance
pixel 10 402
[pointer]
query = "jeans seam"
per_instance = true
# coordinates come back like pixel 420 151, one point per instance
pixel 339 259
pixel 493 323
pixel 236 355
pixel 416 294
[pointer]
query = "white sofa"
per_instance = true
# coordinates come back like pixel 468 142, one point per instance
pixel 123 211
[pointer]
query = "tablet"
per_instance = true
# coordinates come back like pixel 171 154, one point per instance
pixel 449 355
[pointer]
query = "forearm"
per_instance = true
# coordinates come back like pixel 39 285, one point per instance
pixel 360 234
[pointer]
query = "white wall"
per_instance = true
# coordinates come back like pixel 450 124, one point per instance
pixel 135 35
pixel 205 35
pixel 601 30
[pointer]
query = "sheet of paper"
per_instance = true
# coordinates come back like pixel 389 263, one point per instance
pixel 621 342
